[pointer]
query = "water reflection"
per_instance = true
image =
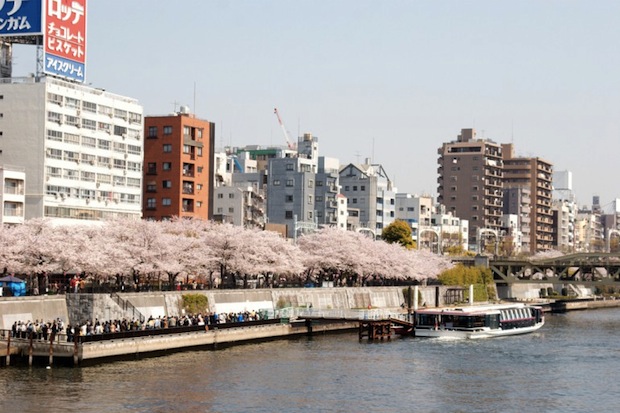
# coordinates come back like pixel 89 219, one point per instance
pixel 562 367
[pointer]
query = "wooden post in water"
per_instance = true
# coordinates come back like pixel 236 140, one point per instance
pixel 8 350
pixel 76 337
pixel 30 359
pixel 51 359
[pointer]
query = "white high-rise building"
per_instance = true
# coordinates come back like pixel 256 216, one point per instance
pixel 81 148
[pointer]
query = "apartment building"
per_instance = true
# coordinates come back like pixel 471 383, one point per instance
pixel 12 194
pixel 178 158
pixel 80 148
pixel 537 175
pixel 368 188
pixel 414 210
pixel 518 204
pixel 291 188
pixel 470 182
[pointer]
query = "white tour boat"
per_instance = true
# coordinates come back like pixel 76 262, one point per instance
pixel 492 320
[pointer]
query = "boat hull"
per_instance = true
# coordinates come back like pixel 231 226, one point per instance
pixel 475 334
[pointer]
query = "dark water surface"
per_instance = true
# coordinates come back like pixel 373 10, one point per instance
pixel 571 365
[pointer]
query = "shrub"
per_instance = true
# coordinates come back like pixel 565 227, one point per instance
pixel 195 303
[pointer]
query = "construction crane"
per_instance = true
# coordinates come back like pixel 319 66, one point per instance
pixel 288 140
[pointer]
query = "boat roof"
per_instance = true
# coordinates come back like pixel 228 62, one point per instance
pixel 473 309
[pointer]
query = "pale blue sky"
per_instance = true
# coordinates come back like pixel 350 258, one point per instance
pixel 391 80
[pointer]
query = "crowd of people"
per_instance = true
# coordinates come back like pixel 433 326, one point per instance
pixel 40 330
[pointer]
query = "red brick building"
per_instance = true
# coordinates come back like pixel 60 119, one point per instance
pixel 178 166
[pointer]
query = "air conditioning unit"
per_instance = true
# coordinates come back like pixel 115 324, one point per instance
pixel 126 155
pixel 77 161
pixel 109 131
pixel 124 172
pixel 98 185
pixel 78 112
pixel 91 162
pixel 109 166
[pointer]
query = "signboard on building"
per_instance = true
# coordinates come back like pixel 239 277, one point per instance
pixel 21 17
pixel 65 38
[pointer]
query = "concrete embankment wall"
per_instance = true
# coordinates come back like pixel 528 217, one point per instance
pixel 32 308
pixel 77 308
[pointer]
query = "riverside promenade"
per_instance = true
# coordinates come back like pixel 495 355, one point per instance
pixel 87 350
pixel 279 307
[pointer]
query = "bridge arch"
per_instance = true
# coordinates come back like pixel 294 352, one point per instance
pixel 434 231
pixel 493 232
pixel 610 232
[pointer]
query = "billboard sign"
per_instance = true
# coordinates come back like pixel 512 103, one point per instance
pixel 21 17
pixel 65 38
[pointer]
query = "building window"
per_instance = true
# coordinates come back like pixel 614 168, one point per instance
pixel 199 151
pixel 231 210
pixel 289 166
pixel 151 168
pixel 166 166
pixel 151 203
pixel 103 144
pixel 311 184
pixel 310 215
pixel 167 130
pixel 151 187
pixel 166 202
pixel 167 148
pixel 319 198
pixel 167 184
pixel 152 132
pixel 288 198
pixel 355 187
pixel 276 182
pixel 310 199
pixel 290 182
pixel 288 214
pixel 346 187
pixel 354 200
pixel 220 196
pixel 362 187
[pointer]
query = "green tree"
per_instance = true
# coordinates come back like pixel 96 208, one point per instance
pixel 398 232
pixel 480 277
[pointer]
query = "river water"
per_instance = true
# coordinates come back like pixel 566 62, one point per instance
pixel 571 365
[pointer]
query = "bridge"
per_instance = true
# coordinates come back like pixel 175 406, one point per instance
pixel 588 269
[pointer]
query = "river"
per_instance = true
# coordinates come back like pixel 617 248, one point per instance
pixel 570 365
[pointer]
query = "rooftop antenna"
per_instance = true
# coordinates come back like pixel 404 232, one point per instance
pixel 175 104
pixel 372 154
pixel 221 133
pixel 357 156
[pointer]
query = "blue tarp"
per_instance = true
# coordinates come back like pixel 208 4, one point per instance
pixel 14 284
